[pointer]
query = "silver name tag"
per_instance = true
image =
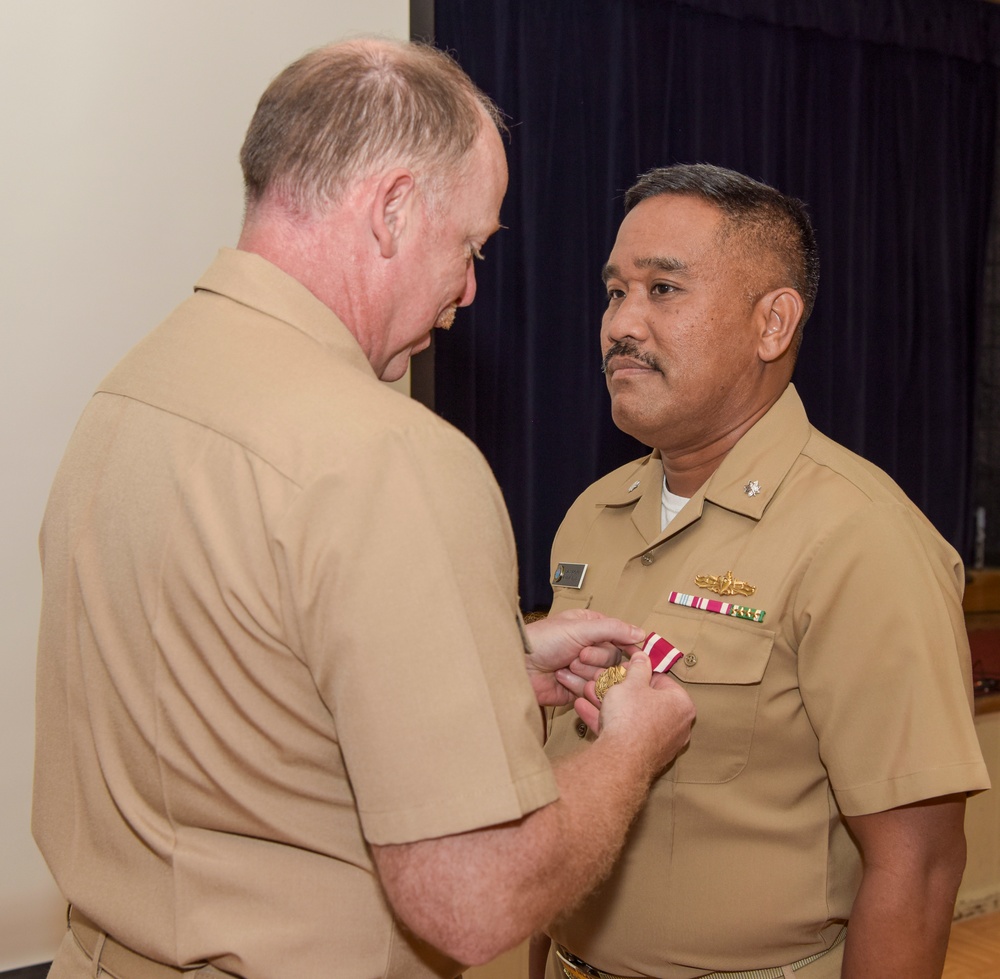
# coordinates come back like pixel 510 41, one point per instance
pixel 569 575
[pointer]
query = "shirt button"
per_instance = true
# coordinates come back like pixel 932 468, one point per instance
pixel 647 558
pixel 581 729
pixel 690 659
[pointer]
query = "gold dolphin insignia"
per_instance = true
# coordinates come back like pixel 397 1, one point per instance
pixel 724 584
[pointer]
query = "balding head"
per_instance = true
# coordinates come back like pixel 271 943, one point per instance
pixel 347 110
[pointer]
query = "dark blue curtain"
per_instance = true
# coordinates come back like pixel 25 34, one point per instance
pixel 880 116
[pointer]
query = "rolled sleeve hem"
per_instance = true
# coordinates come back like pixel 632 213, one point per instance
pixel 461 814
pixel 861 800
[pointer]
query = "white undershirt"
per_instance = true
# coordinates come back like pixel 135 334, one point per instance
pixel 670 505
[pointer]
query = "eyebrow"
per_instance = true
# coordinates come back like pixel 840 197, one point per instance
pixel 656 263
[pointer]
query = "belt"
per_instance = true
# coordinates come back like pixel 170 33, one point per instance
pixel 575 968
pixel 114 958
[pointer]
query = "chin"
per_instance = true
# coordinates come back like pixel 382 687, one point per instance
pixel 631 423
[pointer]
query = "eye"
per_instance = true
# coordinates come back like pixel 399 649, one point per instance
pixel 615 295
pixel 663 289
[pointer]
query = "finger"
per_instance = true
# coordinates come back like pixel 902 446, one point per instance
pixel 590 692
pixel 599 652
pixel 594 632
pixel 585 671
pixel 575 684
pixel 605 654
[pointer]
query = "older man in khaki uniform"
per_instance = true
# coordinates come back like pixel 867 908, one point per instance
pixel 813 826
pixel 288 718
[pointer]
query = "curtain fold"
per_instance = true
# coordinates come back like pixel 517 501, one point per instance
pixel 880 117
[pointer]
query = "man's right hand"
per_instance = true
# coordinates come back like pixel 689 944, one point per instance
pixel 645 708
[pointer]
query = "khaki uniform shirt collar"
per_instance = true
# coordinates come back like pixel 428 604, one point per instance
pixel 253 281
pixel 763 456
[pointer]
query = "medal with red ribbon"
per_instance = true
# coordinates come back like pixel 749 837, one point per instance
pixel 662 655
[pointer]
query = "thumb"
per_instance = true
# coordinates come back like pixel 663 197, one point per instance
pixel 640 666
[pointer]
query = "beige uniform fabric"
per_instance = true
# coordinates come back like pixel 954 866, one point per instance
pixel 852 696
pixel 279 623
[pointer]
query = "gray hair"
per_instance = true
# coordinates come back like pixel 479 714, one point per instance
pixel 341 112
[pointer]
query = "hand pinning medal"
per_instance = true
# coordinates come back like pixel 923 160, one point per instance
pixel 662 655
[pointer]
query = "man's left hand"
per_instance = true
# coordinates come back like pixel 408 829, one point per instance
pixel 572 647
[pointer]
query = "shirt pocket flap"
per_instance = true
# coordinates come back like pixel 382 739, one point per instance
pixel 566 598
pixel 715 649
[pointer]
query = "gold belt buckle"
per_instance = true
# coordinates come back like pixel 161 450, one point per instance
pixel 572 967
pixel 576 968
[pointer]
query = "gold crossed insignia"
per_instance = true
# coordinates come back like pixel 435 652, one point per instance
pixel 724 584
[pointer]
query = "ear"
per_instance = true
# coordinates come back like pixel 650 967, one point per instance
pixel 391 209
pixel 778 314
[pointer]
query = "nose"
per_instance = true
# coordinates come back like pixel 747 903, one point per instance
pixel 469 292
pixel 625 319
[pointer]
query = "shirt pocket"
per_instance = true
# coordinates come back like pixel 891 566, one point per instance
pixel 722 670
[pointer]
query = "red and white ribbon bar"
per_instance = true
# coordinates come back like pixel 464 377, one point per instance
pixel 661 654
pixel 721 608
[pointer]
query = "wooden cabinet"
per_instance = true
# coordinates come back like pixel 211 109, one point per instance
pixel 980 891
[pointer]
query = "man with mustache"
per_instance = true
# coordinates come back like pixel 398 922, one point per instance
pixel 813 826
pixel 287 719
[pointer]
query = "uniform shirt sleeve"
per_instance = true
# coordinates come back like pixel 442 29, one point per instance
pixel 401 580
pixel 884 663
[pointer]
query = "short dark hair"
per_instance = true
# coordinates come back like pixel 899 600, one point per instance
pixel 761 218
pixel 338 113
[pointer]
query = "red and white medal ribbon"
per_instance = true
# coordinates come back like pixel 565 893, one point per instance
pixel 662 655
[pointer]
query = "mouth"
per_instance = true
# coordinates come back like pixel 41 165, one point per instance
pixel 625 365
pixel 626 358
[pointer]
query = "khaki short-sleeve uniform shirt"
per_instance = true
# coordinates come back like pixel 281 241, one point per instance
pixel 279 623
pixel 851 695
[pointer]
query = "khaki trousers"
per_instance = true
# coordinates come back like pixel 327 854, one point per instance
pixel 72 962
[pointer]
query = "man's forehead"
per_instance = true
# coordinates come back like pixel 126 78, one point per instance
pixel 667 233
pixel 660 224
pixel 643 263
pixel 488 179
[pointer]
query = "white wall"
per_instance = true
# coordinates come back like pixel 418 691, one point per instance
pixel 120 127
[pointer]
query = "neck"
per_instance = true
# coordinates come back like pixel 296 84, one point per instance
pixel 688 468
pixel 322 254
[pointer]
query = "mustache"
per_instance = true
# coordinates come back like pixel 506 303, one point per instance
pixel 630 349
